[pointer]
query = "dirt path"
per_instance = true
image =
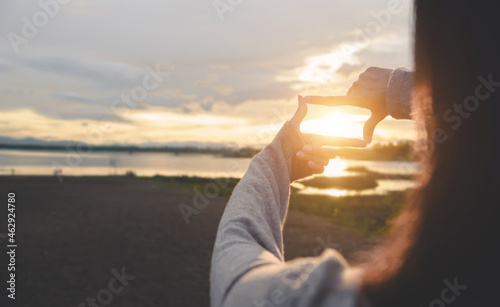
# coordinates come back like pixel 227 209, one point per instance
pixel 73 234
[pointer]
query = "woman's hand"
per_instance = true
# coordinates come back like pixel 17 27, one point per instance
pixel 314 156
pixel 368 92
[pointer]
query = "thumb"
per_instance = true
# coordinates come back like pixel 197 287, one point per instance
pixel 300 113
pixel 370 125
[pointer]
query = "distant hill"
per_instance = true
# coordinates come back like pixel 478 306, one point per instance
pixel 37 142
pixel 32 141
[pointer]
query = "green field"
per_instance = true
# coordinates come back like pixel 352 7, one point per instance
pixel 371 214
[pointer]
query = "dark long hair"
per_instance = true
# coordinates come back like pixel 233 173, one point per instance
pixel 449 231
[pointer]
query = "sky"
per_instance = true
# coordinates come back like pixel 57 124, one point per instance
pixel 187 72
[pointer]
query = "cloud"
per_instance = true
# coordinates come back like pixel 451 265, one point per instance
pixel 103 74
pixel 347 69
pixel 4 67
pixel 93 52
pixel 92 116
pixel 68 96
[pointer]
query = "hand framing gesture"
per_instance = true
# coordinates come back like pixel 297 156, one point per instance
pixel 314 156
pixel 368 92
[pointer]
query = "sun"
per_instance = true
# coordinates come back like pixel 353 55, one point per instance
pixel 336 123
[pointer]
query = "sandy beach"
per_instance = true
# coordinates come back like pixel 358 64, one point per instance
pixel 74 238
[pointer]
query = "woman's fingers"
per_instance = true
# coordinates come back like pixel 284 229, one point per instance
pixel 336 101
pixel 319 151
pixel 300 113
pixel 318 160
pixel 370 125
pixel 325 140
pixel 316 168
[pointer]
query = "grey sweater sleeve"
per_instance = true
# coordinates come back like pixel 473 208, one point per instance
pixel 248 267
pixel 399 90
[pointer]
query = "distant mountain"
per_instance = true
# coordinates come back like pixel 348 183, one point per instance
pixel 34 142
pixel 211 145
pixel 37 142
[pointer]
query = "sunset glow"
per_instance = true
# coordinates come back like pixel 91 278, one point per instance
pixel 336 168
pixel 224 88
pixel 336 123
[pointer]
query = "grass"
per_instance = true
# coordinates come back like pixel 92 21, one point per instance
pixel 225 185
pixel 371 214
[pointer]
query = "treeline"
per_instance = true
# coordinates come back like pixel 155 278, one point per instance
pixel 389 151
pixel 379 152
pixel 130 149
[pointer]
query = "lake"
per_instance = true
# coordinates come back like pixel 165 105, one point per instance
pixel 167 164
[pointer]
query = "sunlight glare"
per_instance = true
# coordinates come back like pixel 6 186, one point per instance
pixel 336 168
pixel 335 124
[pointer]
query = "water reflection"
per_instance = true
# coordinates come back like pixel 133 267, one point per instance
pixel 201 165
pixel 383 187
pixel 336 168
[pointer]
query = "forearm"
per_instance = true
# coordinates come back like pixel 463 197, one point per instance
pixel 250 231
